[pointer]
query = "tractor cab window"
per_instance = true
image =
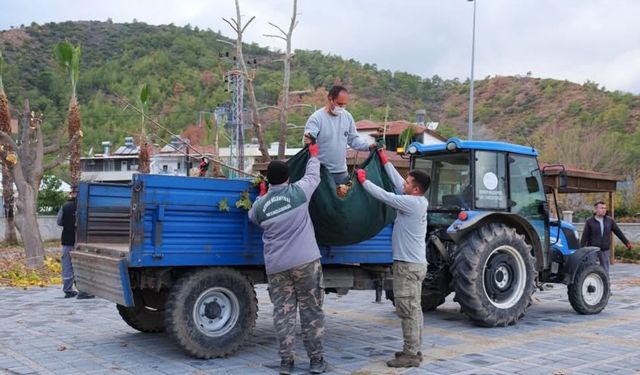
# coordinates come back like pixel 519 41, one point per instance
pixel 527 193
pixel 490 180
pixel 450 189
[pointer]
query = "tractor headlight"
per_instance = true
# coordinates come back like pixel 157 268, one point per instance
pixel 412 150
pixel 451 146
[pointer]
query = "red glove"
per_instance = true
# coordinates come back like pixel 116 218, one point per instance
pixel 362 175
pixel 313 150
pixel 263 188
pixel 629 246
pixel 383 156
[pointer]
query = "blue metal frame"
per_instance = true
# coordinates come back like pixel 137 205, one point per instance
pixel 474 145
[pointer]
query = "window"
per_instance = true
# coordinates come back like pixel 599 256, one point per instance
pixel 490 180
pixel 449 174
pixel 527 197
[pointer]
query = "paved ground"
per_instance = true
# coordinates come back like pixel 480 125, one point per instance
pixel 40 332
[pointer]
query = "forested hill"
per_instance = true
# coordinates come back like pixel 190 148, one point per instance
pixel 582 125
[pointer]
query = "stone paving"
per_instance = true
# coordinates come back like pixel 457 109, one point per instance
pixel 42 333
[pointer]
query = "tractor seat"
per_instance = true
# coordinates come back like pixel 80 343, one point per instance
pixel 453 200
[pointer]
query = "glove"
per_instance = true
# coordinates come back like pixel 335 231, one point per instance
pixel 362 175
pixel 383 156
pixel 629 246
pixel 308 139
pixel 313 150
pixel 263 188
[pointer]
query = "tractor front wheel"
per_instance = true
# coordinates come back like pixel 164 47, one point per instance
pixel 589 294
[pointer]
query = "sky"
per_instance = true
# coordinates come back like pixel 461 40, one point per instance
pixel 576 40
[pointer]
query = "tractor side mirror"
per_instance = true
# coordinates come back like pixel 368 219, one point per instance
pixel 532 185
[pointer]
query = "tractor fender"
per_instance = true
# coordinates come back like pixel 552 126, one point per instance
pixel 573 262
pixel 459 228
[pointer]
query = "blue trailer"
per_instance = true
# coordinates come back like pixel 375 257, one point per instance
pixel 171 256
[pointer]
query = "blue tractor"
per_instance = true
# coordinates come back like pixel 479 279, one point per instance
pixel 490 237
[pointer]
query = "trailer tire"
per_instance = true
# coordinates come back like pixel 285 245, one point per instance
pixel 144 317
pixel 494 275
pixel 211 312
pixel 589 294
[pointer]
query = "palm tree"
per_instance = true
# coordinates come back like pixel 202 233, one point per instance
pixel 144 144
pixel 7 182
pixel 68 57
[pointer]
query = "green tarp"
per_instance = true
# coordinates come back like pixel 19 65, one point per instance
pixel 352 219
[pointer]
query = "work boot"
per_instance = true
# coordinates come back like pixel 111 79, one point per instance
pixel 286 366
pixel 404 360
pixel 398 354
pixel 317 365
pixel 70 294
pixel 84 295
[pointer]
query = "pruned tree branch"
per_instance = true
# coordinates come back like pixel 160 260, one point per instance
pixel 6 138
pixel 55 146
pixel 235 28
pixel 63 154
pixel 226 42
pixel 247 24
pixel 278 27
pixel 275 36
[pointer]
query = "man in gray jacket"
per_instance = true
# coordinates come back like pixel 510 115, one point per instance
pixel 292 260
pixel 409 253
pixel 333 128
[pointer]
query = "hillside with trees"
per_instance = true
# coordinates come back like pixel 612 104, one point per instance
pixel 580 125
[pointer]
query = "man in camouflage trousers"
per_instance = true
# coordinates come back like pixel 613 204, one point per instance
pixel 292 260
pixel 409 253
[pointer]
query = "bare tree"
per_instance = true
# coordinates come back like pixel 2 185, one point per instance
pixel 7 182
pixel 284 109
pixel 25 161
pixel 236 25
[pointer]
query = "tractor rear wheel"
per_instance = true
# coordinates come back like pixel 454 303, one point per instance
pixel 589 294
pixel 494 275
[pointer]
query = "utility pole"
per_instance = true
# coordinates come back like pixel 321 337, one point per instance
pixel 473 47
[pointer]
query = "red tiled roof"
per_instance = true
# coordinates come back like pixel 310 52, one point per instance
pixel 395 128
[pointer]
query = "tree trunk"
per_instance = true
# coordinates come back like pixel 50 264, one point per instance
pixel 74 127
pixel 284 112
pixel 253 103
pixel 27 224
pixel 10 235
pixel 7 181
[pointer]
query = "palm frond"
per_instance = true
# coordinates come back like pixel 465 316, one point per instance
pixel 144 94
pixel 64 55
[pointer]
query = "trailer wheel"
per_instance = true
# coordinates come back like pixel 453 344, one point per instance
pixel 589 294
pixel 148 313
pixel 211 312
pixel 494 275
